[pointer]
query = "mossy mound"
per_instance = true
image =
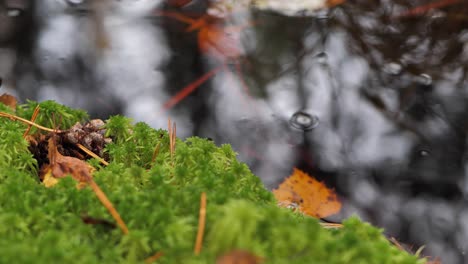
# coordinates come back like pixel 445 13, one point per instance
pixel 159 201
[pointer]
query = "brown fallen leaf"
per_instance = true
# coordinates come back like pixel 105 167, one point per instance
pixel 8 100
pixel 60 166
pixel 239 257
pixel 309 196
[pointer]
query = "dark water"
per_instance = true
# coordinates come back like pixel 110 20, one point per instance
pixel 369 100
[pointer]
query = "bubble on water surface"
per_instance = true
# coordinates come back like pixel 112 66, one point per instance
pixel 424 153
pixel 304 121
pixel 424 79
pixel 393 68
pixel 322 58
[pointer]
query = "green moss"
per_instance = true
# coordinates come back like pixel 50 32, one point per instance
pixel 159 201
pixel 51 114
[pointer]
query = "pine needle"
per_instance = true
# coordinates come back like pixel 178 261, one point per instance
pixel 105 201
pixel 172 138
pixel 156 152
pixel 154 257
pixel 201 224
pixel 33 118
pixel 92 154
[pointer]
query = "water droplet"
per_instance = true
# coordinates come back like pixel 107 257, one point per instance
pixel 393 68
pixel 424 153
pixel 13 12
pixel 424 79
pixel 322 57
pixel 304 121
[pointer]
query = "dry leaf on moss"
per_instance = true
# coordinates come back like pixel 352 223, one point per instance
pixel 308 195
pixel 239 257
pixel 60 166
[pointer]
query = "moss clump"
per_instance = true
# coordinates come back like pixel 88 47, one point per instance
pixel 159 200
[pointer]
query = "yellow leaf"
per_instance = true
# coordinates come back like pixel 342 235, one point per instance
pixel 48 179
pixel 304 193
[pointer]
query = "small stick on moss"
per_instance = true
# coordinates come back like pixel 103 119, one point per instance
pixel 201 224
pixel 105 201
pixel 396 243
pixel 156 152
pixel 13 117
pixel 33 118
pixel 172 138
pixel 169 132
pixel 331 225
pixel 174 133
pixel 92 154
pixel 154 257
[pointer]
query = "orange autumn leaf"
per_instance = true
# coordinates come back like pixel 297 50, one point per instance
pixel 308 195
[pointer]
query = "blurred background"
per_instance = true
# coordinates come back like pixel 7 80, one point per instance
pixel 369 96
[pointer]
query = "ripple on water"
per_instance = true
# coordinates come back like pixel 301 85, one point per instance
pixel 304 121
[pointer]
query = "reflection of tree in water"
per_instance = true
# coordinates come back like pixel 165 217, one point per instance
pixel 412 72
pixel 16 38
pixel 429 43
pixel 421 59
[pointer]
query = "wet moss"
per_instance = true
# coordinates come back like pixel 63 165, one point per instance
pixel 158 197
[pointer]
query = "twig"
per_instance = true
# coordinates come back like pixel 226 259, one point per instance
pixel 201 224
pixel 3 114
pixel 33 119
pixel 397 244
pixel 105 201
pixel 154 257
pixel 176 16
pixel 169 131
pixel 184 92
pixel 174 137
pixel 156 152
pixel 172 130
pixel 92 154
pixel 419 10
pixel 331 225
